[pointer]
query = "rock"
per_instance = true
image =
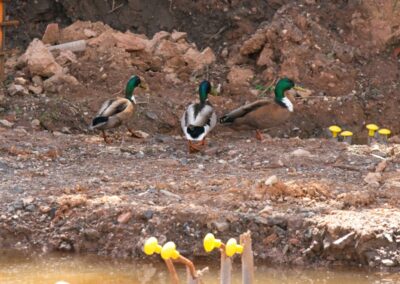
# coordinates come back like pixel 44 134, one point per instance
pixel 254 44
pixel 15 89
pixel 20 81
pixel 37 90
pixel 176 36
pixel 52 34
pixel 37 80
pixel 221 226
pixel 40 61
pixel 129 41
pixel 6 123
pixel 124 217
pixel 89 33
pixel 141 134
pixel 148 214
pixel 198 60
pixel 373 179
pixel 35 123
pixel 170 194
pixel 240 76
pixel 381 166
pixel 388 262
pixel 66 56
pixel 301 153
pixel 151 115
pixel 51 84
pixel 266 57
pixel 167 49
pixel 271 180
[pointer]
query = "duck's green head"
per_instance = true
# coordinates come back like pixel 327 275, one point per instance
pixel 204 90
pixel 281 87
pixel 133 82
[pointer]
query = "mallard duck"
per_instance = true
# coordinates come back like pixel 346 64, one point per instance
pixel 263 113
pixel 199 118
pixel 118 111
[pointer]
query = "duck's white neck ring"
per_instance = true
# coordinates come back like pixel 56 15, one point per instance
pixel 288 104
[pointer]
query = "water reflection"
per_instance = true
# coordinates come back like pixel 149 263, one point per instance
pixel 19 269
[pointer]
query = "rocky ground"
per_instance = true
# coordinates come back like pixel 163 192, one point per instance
pixel 306 199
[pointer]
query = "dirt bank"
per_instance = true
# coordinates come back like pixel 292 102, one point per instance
pixel 63 189
pixel 73 193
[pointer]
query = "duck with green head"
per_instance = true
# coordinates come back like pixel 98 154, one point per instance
pixel 199 119
pixel 263 113
pixel 118 111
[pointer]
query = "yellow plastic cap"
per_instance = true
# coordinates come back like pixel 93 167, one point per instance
pixel 346 133
pixel 169 251
pixel 384 131
pixel 151 246
pixel 232 247
pixel 372 128
pixel 210 242
pixel 335 130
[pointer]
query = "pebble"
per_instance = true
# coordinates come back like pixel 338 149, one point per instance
pixel 388 262
pixel 271 180
pixel 6 123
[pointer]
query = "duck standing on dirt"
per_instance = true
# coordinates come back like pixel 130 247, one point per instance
pixel 199 119
pixel 118 111
pixel 263 113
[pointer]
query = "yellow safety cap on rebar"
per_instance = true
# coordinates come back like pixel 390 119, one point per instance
pixel 232 248
pixel 169 251
pixel 210 242
pixel 384 131
pixel 346 133
pixel 151 246
pixel 371 129
pixel 335 130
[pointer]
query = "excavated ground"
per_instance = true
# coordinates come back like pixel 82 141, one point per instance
pixel 63 189
pixel 74 193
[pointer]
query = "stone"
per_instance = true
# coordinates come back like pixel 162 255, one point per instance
pixel 198 60
pixel 151 115
pixel 66 56
pixel 373 179
pixel 39 60
pixel 51 84
pixel 388 262
pixel 141 134
pixel 15 89
pixel 129 41
pixel 266 57
pixel 167 49
pixel 37 90
pixel 271 180
pixel 37 80
pixel 221 226
pixel 52 34
pixel 176 36
pixel 89 33
pixel 240 76
pixel 20 81
pixel 124 217
pixel 381 166
pixel 254 44
pixel 35 123
pixel 148 214
pixel 301 153
pixel 6 123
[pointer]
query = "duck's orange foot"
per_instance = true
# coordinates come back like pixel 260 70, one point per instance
pixel 259 135
pixel 194 148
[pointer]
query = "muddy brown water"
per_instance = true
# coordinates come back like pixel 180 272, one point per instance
pixel 16 268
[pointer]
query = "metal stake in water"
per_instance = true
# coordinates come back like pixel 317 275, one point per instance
pixel 372 128
pixel 384 135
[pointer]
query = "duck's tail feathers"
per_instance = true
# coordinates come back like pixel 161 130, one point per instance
pixel 98 121
pixel 226 119
pixel 195 131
